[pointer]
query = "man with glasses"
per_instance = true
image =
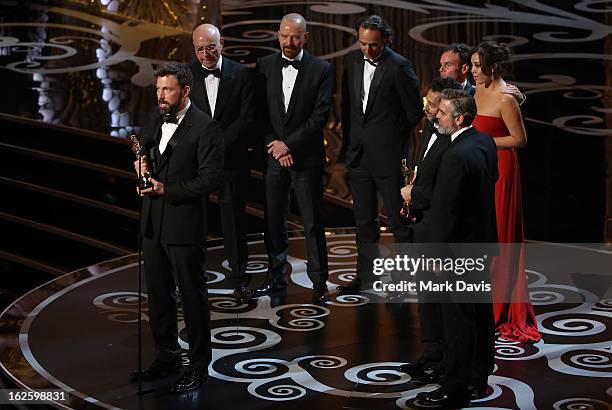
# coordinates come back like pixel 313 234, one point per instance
pixel 223 89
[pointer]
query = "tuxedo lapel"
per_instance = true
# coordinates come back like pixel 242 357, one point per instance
pixel 276 84
pixel 358 81
pixel 378 76
pixel 424 143
pixel 297 87
pixel 155 136
pixel 226 84
pixel 440 143
pixel 204 93
pixel 180 132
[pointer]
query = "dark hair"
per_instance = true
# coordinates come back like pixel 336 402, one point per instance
pixel 179 70
pixel 494 58
pixel 441 83
pixel 462 104
pixel 375 22
pixel 462 50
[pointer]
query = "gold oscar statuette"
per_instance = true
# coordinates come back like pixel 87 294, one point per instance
pixel 144 180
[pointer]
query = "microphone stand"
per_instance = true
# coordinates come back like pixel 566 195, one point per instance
pixel 140 298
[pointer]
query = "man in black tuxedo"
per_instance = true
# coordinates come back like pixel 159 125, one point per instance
pixel 298 89
pixel 224 90
pixel 186 159
pixel 381 103
pixel 463 212
pixel 418 194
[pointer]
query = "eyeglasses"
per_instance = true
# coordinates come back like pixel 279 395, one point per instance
pixel 211 48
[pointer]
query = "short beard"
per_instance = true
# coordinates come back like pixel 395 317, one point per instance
pixel 171 110
pixel 443 130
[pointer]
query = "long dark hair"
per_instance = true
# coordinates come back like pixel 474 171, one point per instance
pixel 494 58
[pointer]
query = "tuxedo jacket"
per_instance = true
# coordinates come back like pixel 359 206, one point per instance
pixel 190 168
pixel 234 110
pixel 463 201
pixel 424 183
pixel 469 88
pixel 379 136
pixel 301 126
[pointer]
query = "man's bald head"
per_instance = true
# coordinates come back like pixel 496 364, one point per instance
pixel 207 43
pixel 292 34
pixel 294 19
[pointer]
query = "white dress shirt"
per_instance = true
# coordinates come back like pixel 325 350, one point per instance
pixel 432 140
pixel 368 74
pixel 289 77
pixel 455 134
pixel 168 128
pixel 212 87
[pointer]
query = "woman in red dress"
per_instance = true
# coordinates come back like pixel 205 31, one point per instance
pixel 499 116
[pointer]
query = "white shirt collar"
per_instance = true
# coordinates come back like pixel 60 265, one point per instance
pixel 217 66
pixel 455 134
pixel 181 113
pixel 297 58
pixel 463 84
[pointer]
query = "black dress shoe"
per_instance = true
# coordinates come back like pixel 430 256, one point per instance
pixel 431 359
pixel 243 295
pixel 191 379
pixel 320 295
pixel 352 286
pixel 270 286
pixel 157 369
pixel 439 397
pixel 422 373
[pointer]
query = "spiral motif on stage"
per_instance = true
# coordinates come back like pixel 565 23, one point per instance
pixel 277 392
pixel 226 304
pixel 505 348
pixel 263 368
pixel 581 403
pixel 576 325
pixel 349 300
pixel 545 297
pixel 339 252
pixel 121 306
pixel 242 338
pixel 322 362
pixel 301 318
pixel 378 374
pixel 343 275
pixel 593 360
pixel 603 305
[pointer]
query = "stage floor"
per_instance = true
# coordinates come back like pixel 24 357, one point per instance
pixel 79 333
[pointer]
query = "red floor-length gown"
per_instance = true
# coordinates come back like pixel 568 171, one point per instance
pixel 515 321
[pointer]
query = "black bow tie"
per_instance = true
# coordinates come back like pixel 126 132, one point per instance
pixel 372 62
pixel 286 63
pixel 171 118
pixel 206 72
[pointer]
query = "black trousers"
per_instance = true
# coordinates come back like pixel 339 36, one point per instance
pixel 430 317
pixel 365 188
pixel 469 333
pixel 166 267
pixel 308 187
pixel 233 222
